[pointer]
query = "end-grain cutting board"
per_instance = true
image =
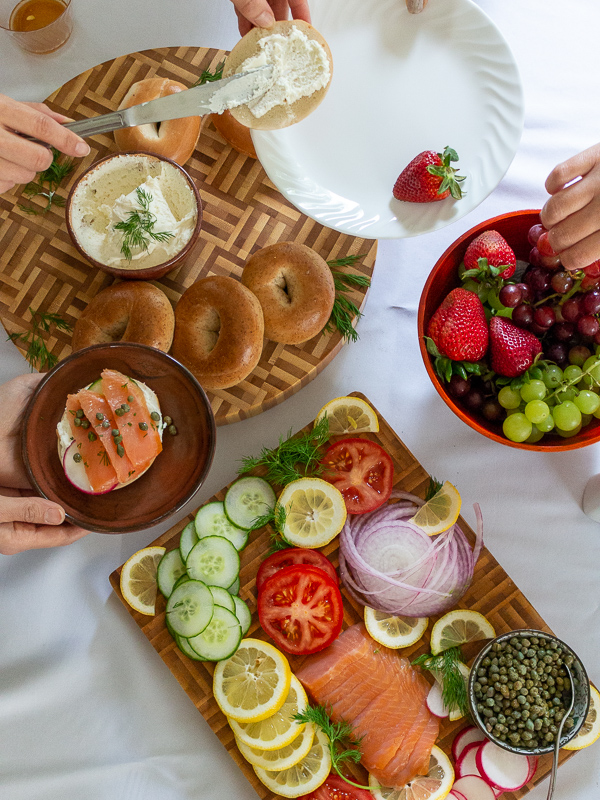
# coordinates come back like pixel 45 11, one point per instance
pixel 492 593
pixel 243 212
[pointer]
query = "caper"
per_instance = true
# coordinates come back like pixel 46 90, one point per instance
pixel 106 424
pixel 155 416
pixel 143 426
pixel 119 412
pixel 120 450
pixel 125 407
pixel 118 439
pixel 130 399
pixel 172 430
pixel 167 420
pixel 99 415
pixel 79 413
pixel 92 436
pixel 77 422
pixel 77 458
pixel 85 423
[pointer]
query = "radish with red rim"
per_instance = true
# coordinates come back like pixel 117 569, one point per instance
pixel 435 702
pixel 76 473
pixel 473 787
pixel 454 795
pixel 467 762
pixel 501 768
pixel 464 737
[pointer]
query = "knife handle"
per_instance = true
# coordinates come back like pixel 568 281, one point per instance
pixel 90 127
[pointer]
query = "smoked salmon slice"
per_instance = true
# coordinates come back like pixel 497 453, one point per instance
pixel 94 404
pixel 99 470
pixel 382 696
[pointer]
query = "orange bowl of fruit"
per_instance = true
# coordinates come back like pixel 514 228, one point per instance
pixel 511 340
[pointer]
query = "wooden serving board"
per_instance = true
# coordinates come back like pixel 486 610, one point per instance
pixel 242 212
pixel 492 593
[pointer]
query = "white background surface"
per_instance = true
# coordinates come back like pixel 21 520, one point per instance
pixel 87 708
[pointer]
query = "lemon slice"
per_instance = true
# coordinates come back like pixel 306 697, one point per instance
pixel 433 786
pixel 349 415
pixel 253 683
pixel 590 730
pixel 315 512
pixel 285 757
pixel 458 627
pixel 394 632
pixel 305 776
pixel 280 728
pixel 138 579
pixel 440 512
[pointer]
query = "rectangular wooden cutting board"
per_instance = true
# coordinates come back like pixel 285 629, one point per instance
pixel 492 593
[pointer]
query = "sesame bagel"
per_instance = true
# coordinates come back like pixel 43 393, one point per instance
pixel 295 288
pixel 175 138
pixel 218 331
pixel 132 311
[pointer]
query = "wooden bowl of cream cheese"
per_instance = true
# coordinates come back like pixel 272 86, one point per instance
pixel 134 215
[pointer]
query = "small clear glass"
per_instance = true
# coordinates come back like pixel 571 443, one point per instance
pixel 37 26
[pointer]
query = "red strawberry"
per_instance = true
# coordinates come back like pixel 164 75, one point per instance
pixel 459 327
pixel 495 249
pixel 429 177
pixel 512 350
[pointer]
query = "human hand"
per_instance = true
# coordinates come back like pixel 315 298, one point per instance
pixel 21 160
pixel 263 13
pixel 572 214
pixel 416 6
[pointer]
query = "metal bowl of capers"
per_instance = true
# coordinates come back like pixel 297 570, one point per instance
pixel 519 691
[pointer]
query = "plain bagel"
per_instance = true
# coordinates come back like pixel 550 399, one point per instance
pixel 175 139
pixel 295 288
pixel 218 331
pixel 132 311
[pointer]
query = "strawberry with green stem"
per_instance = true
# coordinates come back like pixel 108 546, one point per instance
pixel 429 177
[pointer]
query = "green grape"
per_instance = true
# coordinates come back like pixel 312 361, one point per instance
pixel 568 434
pixel 534 390
pixel 535 435
pixel 546 425
pixel 586 419
pixel 566 394
pixel 508 398
pixel 592 365
pixel 517 427
pixel 552 376
pixel 566 416
pixel 572 372
pixel 587 402
pixel 596 414
pixel 536 411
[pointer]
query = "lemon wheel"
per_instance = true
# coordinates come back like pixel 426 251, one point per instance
pixel 315 512
pixel 349 415
pixel 305 776
pixel 138 579
pixel 394 632
pixel 440 512
pixel 459 627
pixel 285 757
pixel 590 730
pixel 433 786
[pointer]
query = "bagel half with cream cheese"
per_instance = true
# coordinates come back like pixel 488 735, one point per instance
pixel 303 67
pixel 175 138
pixel 295 288
pixel 218 331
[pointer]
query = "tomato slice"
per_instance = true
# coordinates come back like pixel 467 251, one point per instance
pixel 300 608
pixel 336 788
pixel 362 471
pixel 290 557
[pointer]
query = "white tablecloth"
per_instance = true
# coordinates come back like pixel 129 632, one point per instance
pixel 87 708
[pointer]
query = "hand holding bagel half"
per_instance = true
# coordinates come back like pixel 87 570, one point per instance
pixel 175 139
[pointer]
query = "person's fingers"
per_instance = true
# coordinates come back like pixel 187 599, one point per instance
pixel 415 6
pixel 18 537
pixel 54 114
pixel 280 9
pixel 575 167
pixel 6 186
pixel 257 12
pixel 575 227
pixel 31 510
pixel 300 9
pixel 583 253
pixel 244 26
pixel 15 173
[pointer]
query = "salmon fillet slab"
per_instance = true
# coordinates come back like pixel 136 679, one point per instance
pixel 382 696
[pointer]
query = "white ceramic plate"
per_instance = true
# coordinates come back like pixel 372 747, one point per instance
pixel 402 84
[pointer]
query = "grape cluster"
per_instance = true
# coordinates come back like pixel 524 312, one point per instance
pixel 560 394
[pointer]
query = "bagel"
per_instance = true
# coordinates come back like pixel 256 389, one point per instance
pixel 218 331
pixel 132 311
pixel 295 288
pixel 175 138
pixel 302 73
pixel 234 133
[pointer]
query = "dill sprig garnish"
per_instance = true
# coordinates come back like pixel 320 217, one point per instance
pixel 276 519
pixel 445 665
pixel 433 488
pixel 345 310
pixel 344 746
pixel 46 184
pixel 137 229
pixel 294 458
pixel 37 353
pixel 207 76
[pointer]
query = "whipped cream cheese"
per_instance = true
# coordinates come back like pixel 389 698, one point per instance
pixel 230 95
pixel 300 68
pixel 108 195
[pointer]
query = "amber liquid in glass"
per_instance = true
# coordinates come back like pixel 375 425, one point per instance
pixel 31 15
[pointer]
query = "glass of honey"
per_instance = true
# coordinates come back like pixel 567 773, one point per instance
pixel 38 26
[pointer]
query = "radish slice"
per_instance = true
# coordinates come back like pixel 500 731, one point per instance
pixel 76 474
pixel 467 763
pixel 501 768
pixel 435 702
pixel 473 788
pixel 533 765
pixel 463 738
pixel 454 795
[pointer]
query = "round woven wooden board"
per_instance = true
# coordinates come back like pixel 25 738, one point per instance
pixel 243 212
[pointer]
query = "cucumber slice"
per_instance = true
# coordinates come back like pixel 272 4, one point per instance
pixel 185 577
pixel 186 648
pixel 243 614
pixel 187 540
pixel 96 386
pixel 222 598
pixel 221 638
pixel 190 608
pixel 247 499
pixel 211 520
pixel 235 587
pixel 213 560
pixel 170 569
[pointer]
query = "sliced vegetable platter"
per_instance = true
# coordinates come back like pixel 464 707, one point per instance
pixel 492 593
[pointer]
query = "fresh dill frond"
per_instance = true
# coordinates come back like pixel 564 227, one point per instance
pixel 46 184
pixel 37 353
pixel 446 666
pixel 344 746
pixel 295 457
pixel 274 517
pixel 433 488
pixel 344 310
pixel 138 228
pixel 207 76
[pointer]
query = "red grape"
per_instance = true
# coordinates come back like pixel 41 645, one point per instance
pixel 510 295
pixel 537 279
pixel 550 262
pixel 563 331
pixel 543 245
pixel 544 317
pixel 588 325
pixel 571 309
pixel 579 354
pixel 561 282
pixel 458 386
pixel 474 400
pixel 593 269
pixel 522 316
pixel 591 301
pixel 525 293
pixel 558 353
pixel 534 234
pixel 534 257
